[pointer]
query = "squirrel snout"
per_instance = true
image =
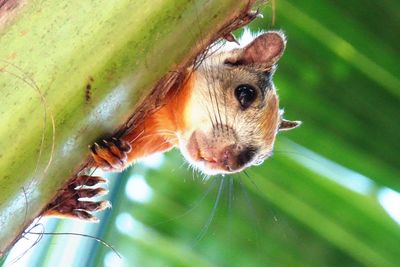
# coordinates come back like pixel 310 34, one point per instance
pixel 218 155
pixel 234 157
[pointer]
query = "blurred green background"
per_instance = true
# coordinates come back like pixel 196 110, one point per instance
pixel 327 197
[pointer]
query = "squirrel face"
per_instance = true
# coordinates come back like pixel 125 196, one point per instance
pixel 232 113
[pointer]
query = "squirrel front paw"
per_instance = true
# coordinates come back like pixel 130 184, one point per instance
pixel 111 154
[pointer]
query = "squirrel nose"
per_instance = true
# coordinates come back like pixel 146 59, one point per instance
pixel 233 158
pixel 246 155
pixel 227 158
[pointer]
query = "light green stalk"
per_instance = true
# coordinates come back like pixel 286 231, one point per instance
pixel 49 53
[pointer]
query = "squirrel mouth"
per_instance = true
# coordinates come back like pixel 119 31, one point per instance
pixel 195 151
pixel 205 158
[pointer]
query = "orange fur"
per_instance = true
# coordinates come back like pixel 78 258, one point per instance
pixel 156 132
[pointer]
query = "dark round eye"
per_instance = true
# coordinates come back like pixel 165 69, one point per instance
pixel 245 94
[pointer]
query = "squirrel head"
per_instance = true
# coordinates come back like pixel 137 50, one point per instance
pixel 232 113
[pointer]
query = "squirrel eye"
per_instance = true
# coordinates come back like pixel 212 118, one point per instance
pixel 245 94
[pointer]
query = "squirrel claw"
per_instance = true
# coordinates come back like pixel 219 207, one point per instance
pixel 231 38
pixel 69 203
pixel 243 20
pixel 250 16
pixel 111 154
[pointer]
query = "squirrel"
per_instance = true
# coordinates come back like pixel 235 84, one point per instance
pixel 224 118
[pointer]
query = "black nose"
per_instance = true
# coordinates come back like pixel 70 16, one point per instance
pixel 246 155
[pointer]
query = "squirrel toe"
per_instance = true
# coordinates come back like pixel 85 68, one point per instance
pixel 111 154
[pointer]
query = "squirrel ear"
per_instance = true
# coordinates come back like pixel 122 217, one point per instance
pixel 263 51
pixel 288 125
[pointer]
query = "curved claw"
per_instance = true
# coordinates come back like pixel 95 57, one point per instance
pixel 231 38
